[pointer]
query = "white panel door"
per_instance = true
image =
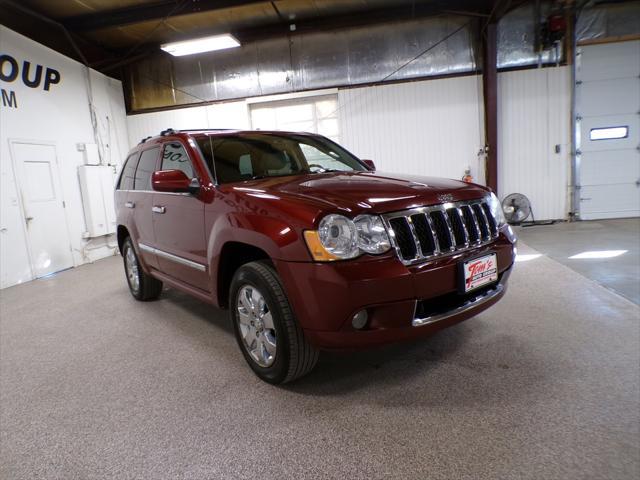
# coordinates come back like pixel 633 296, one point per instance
pixel 608 112
pixel 36 170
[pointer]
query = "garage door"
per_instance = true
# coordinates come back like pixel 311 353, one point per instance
pixel 608 112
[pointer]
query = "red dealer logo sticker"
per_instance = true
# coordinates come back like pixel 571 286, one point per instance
pixel 480 271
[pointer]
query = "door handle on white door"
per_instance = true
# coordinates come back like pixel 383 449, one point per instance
pixel 158 209
pixel 130 205
pixel 28 219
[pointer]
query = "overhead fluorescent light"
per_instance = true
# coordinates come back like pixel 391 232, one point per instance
pixel 599 254
pixel 200 45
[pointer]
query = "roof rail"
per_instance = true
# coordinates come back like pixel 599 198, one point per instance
pixel 209 130
pixel 171 131
pixel 144 139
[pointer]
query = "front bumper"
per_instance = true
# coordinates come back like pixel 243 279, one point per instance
pixel 325 296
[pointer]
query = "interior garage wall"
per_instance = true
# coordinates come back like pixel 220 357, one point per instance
pixel 220 115
pixel 59 116
pixel 432 127
pixel 534 115
pixel 435 127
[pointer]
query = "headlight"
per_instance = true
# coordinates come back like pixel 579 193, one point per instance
pixel 496 209
pixel 340 238
pixel 372 235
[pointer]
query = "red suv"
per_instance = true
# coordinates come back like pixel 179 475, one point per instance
pixel 308 246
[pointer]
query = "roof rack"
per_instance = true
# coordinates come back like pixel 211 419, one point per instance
pixel 172 131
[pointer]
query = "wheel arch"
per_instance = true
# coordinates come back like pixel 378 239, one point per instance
pixel 122 234
pixel 233 255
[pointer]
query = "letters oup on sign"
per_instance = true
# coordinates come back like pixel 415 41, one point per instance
pixel 32 76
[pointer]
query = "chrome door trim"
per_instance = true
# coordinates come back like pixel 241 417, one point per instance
pixel 171 256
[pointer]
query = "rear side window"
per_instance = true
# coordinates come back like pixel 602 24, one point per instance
pixel 146 166
pixel 175 157
pixel 128 172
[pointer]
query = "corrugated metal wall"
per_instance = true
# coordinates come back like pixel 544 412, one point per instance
pixel 533 117
pixel 432 127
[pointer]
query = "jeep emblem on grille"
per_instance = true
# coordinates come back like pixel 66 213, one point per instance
pixel 445 197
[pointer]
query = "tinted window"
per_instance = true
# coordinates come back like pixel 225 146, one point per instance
pixel 175 158
pixel 146 166
pixel 128 172
pixel 256 155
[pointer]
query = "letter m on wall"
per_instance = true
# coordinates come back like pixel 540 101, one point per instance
pixel 9 99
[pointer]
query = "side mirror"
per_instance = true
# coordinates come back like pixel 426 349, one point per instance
pixel 174 181
pixel 370 164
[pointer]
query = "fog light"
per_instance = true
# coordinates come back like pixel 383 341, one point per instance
pixel 359 320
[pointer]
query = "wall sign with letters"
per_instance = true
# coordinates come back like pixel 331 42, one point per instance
pixel 31 75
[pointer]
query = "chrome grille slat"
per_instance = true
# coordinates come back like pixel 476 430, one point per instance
pixel 437 250
pixel 419 253
pixel 452 237
pixel 475 219
pixel 460 226
pixel 467 241
pixel 482 220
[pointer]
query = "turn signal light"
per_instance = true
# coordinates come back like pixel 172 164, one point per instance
pixel 317 250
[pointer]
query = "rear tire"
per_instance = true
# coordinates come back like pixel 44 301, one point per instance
pixel 267 332
pixel 143 287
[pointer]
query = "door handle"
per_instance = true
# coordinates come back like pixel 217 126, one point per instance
pixel 158 209
pixel 28 219
pixel 130 205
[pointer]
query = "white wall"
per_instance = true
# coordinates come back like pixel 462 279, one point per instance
pixel 60 115
pixel 431 127
pixel 534 114
pixel 219 115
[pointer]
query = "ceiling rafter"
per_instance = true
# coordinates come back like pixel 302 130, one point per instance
pixel 146 12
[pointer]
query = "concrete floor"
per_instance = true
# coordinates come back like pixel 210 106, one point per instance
pixel 544 385
pixel 563 240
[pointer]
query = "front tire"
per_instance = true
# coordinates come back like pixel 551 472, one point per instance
pixel 267 332
pixel 143 287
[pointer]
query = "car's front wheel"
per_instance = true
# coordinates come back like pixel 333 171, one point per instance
pixel 142 286
pixel 269 336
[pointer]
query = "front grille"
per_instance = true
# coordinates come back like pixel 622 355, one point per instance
pixel 423 233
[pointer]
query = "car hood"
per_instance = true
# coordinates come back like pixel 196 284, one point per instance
pixel 377 192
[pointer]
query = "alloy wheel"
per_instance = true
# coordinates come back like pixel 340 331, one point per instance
pixel 256 326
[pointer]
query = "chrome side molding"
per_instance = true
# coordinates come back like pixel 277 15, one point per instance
pixel 171 256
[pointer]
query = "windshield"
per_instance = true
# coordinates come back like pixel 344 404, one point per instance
pixel 247 156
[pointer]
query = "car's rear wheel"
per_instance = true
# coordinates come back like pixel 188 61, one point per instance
pixel 269 336
pixel 142 286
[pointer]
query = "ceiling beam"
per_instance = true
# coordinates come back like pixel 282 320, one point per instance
pixel 351 20
pixel 51 33
pixel 316 24
pixel 146 12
